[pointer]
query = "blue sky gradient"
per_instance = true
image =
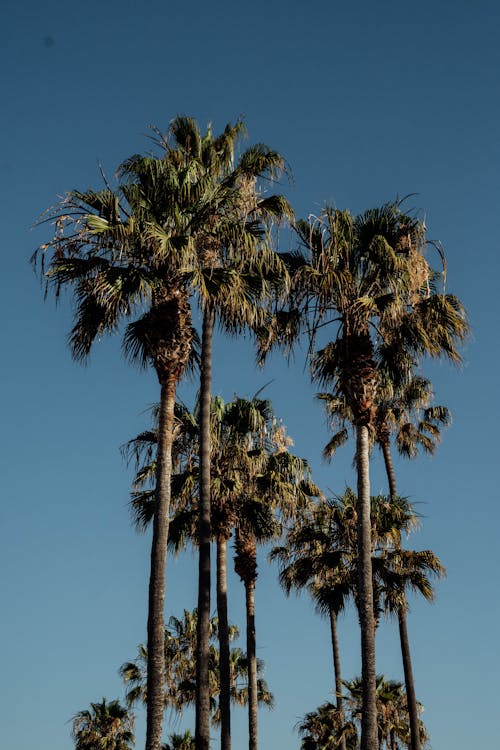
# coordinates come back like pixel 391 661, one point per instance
pixel 366 100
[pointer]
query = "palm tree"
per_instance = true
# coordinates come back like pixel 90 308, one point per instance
pixel 184 222
pixel 104 249
pixel 407 413
pixel 107 726
pixel 367 277
pixel 180 674
pixel 318 554
pixel 231 424
pixel 234 251
pixel 401 570
pixel 326 729
pixel 392 711
pixel 180 742
pixel 274 485
pixel 404 411
pixel 250 469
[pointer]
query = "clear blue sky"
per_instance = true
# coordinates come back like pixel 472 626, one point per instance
pixel 367 100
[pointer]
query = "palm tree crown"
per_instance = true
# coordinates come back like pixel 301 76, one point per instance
pixel 107 726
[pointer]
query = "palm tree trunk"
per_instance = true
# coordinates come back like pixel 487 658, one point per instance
pixel 409 682
pixel 336 669
pixel 156 612
pixel 224 663
pixel 252 664
pixel 389 467
pixel 202 738
pixel 403 630
pixel 369 737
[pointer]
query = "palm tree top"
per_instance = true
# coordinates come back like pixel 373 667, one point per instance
pixel 107 725
pixel 189 220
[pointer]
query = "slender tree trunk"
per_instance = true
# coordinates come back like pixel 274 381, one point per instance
pixel 156 612
pixel 336 669
pixel 224 662
pixel 369 737
pixel 202 737
pixel 389 468
pixel 409 682
pixel 403 630
pixel 252 664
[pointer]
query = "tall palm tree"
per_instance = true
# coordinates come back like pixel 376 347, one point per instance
pixel 367 277
pixel 234 251
pixel 104 249
pixel 400 570
pixel 274 486
pixel 408 414
pixel 318 554
pixel 185 222
pixel 253 475
pixel 107 726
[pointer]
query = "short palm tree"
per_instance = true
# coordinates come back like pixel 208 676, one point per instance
pixel 407 414
pixel 180 675
pixel 326 729
pixel 393 726
pixel 180 742
pixel 107 726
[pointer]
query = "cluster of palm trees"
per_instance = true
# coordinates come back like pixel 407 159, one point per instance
pixel 320 554
pixel 193 225
pixel 328 728
pixel 257 485
pixel 180 656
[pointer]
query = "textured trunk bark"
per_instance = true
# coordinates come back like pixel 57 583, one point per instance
pixel 389 468
pixel 224 663
pixel 403 630
pixel 202 737
pixel 336 669
pixel 409 682
pixel 369 737
pixel 156 613
pixel 252 665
